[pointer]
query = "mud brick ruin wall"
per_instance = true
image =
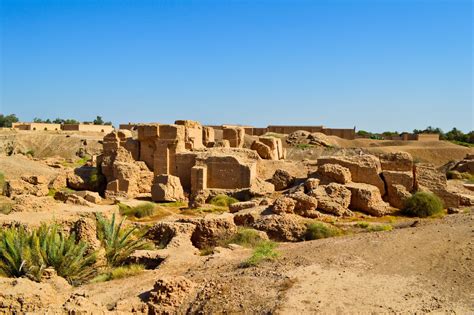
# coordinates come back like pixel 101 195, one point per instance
pixel 86 127
pixel 36 126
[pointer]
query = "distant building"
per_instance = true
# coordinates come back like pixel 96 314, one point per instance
pixel 35 126
pixel 87 127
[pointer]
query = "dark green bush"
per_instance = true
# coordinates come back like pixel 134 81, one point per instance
pixel 423 204
pixel 223 201
pixel 140 211
pixel 264 251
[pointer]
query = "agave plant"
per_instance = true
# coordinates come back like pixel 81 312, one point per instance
pixel 67 256
pixel 119 241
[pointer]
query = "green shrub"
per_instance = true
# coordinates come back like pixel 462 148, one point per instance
pixel 246 237
pixel 304 146
pixel 24 253
pixel 140 211
pixel 96 179
pixel 223 201
pixel 423 204
pixel 119 273
pixel 119 242
pixel 16 256
pixel 30 152
pixel 319 230
pixel 264 251
pixel 65 254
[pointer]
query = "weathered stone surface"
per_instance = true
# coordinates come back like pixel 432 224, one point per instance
pixel 366 198
pixel 235 136
pixel 235 207
pixel 17 187
pixel 58 182
pixel 167 188
pixel 334 173
pixel 211 229
pixel 333 198
pixel 170 294
pixel 364 169
pixel 398 161
pixel 71 198
pixel 208 136
pixel 263 150
pixel 282 228
pixel 86 230
pixel 284 205
pixel 247 217
pixel 427 178
pixel 399 186
pixel 171 234
pixel 305 205
pixel 277 152
pixel 311 184
pixel 282 179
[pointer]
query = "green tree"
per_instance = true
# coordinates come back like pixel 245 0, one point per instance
pixel 98 121
pixel 8 120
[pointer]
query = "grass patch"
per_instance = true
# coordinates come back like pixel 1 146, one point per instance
pixel 362 225
pixel 30 152
pixel 464 144
pixel 206 251
pixel 222 201
pixel 379 227
pixel 304 146
pixel 274 135
pixel 264 251
pixel 246 237
pixel 119 273
pixel 174 204
pixel 319 230
pixel 423 204
pixel 52 191
pixel 140 211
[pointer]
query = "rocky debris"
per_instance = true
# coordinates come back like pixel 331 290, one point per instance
pixel 71 198
pixel 333 198
pixel 247 217
pixel 170 234
pixel 171 295
pixel 235 207
pixel 29 203
pixel 86 178
pixel 452 210
pixel 89 196
pixel 465 166
pixel 311 184
pixel 334 173
pixel 305 137
pixel 399 186
pixel 151 259
pixel 282 228
pixel 198 199
pixel 27 185
pixel 86 230
pixel 210 230
pixel 283 205
pixel 364 168
pixel 397 161
pixel 167 188
pixel 305 205
pixel 281 179
pixel 276 147
pixel 222 144
pixel 263 150
pixel 428 179
pixel 367 198
pixel 261 188
pixel 58 182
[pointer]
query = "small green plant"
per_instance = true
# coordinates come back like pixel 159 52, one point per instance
pixel 30 152
pixel 140 211
pixel 264 251
pixel 246 237
pixel 119 241
pixel 319 230
pixel 6 206
pixel 223 201
pixel 304 146
pixel 96 178
pixel 119 273
pixel 362 225
pixel 69 257
pixel 206 251
pixel 423 204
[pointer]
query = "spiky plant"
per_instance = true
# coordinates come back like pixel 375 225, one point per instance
pixel 16 257
pixel 67 256
pixel 119 241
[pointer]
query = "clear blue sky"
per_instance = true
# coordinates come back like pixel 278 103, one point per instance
pixel 378 65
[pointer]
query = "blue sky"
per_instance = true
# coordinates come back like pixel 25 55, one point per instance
pixel 377 65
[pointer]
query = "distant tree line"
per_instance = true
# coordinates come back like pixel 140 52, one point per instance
pixel 7 120
pixel 452 135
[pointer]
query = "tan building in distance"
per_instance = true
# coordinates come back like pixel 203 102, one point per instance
pixel 35 126
pixel 87 127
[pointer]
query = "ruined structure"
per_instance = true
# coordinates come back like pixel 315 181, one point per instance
pixel 36 126
pixel 185 151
